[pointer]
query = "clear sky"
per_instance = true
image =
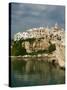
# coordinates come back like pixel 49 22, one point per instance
pixel 26 16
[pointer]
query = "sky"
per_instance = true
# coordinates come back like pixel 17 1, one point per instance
pixel 27 16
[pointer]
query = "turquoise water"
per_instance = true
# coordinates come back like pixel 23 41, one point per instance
pixel 35 72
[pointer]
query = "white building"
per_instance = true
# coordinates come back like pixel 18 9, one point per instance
pixel 41 32
pixel 32 33
pixel 17 36
pixel 38 32
pixel 20 35
pixel 25 35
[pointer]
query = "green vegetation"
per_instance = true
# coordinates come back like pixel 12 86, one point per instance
pixel 17 48
pixel 51 48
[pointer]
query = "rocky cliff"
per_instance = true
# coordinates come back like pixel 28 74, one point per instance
pixel 42 44
pixel 38 44
pixel 51 43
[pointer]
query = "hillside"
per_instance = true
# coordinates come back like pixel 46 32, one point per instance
pixel 41 41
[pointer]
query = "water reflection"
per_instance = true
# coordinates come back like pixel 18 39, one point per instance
pixel 35 72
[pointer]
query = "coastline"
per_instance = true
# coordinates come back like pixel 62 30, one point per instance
pixel 50 59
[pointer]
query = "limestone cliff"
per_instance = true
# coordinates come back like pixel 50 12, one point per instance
pixel 43 44
pixel 44 41
pixel 38 44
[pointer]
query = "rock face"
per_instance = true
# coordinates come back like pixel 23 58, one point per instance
pixel 38 44
pixel 43 40
pixel 43 44
pixel 60 55
pixel 27 46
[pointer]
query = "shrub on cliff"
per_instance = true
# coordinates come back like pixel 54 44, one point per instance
pixel 51 48
pixel 17 49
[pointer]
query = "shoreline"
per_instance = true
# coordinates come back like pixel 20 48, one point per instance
pixel 49 58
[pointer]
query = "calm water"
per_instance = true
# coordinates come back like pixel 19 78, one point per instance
pixel 34 72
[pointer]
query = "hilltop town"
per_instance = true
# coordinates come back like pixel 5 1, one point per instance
pixel 55 32
pixel 42 42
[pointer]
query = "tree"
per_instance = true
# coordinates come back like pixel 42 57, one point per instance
pixel 17 48
pixel 52 48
